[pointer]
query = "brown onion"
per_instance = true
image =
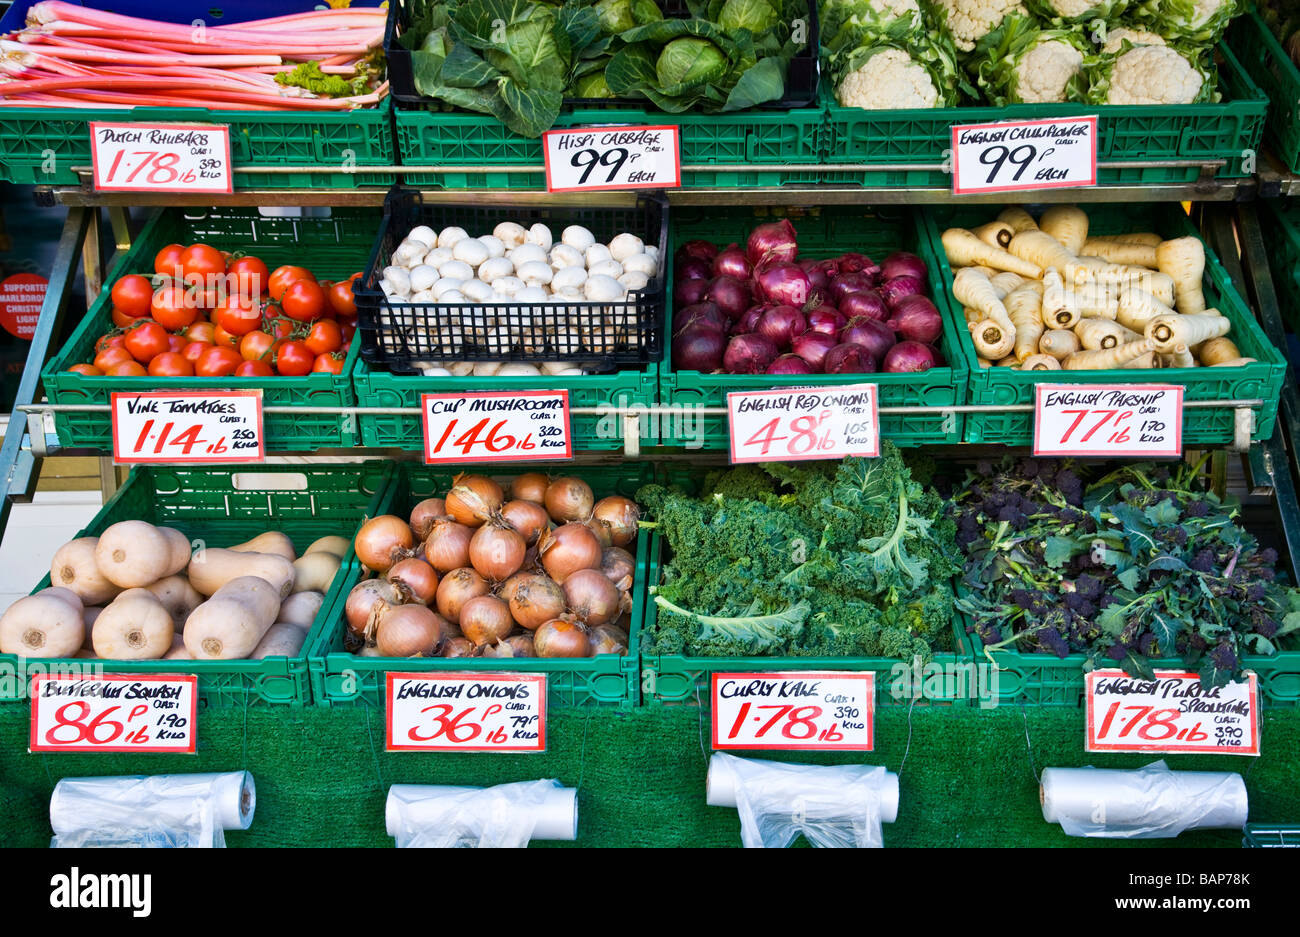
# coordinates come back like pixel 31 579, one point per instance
pixel 459 647
pixel 620 515
pixel 506 591
pixel 568 549
pixel 608 639
pixel 600 532
pixel 457 588
pixel 485 619
pixel 592 598
pixel 473 499
pixel 526 517
pixel 619 567
pixel 530 486
pixel 382 541
pixel 447 546
pixel 519 645
pixel 408 631
pixel 569 499
pixel 497 551
pixel 560 638
pixel 537 600
pixel 418 576
pixel 423 515
pixel 362 599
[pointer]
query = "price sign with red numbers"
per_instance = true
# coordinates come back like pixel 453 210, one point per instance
pixel 466 712
pixel 160 157
pixel 188 426
pixel 1019 155
pixel 804 423
pixel 497 426
pixel 814 711
pixel 114 713
pixel 592 159
pixel 1172 713
pixel 1140 420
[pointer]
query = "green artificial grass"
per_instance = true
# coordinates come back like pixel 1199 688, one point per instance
pixel 322 775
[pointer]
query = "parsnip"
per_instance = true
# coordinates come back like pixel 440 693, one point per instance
pixel 1059 310
pixel 1096 334
pixel 1018 218
pixel 1147 361
pixel 1010 361
pixel 1005 283
pixel 1116 252
pixel 1183 259
pixel 1042 250
pixel 1108 358
pixel 1025 309
pixel 1040 362
pixel 1180 357
pixel 992 340
pixel 1059 343
pixel 964 249
pixel 972 288
pixel 1168 331
pixel 973 316
pixel 985 363
pixel 996 234
pixel 1068 224
pixel 1215 350
pixel 1097 300
pixel 1138 307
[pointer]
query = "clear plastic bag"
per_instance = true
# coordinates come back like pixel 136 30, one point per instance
pixel 503 817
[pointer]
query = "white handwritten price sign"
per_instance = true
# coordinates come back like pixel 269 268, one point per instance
pixel 804 423
pixel 1144 420
pixel 1172 713
pixel 467 712
pixel 114 713
pixel 813 711
pixel 160 157
pixel 188 426
pixel 595 158
pixel 1021 155
pixel 522 425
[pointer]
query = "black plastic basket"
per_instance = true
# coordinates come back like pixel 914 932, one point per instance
pixel 405 338
pixel 800 82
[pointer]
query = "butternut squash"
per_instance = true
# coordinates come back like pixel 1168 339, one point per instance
pixel 42 625
pixel 281 640
pixel 132 554
pixel 332 544
pixel 313 572
pixel 74 567
pixel 233 622
pixel 178 597
pixel 136 626
pixel 301 609
pixel 214 567
pixel 270 542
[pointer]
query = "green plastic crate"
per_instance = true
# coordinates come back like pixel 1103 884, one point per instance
pixel 41 145
pixel 1040 679
pixel 221 506
pixel 1201 426
pixel 1268 65
pixel 343 679
pixel 590 431
pixel 1281 222
pixel 668 679
pixel 767 140
pixel 1271 836
pixel 1229 130
pixel 332 246
pixel 822 232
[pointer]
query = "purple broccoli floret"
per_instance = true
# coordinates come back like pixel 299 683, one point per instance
pixel 1223 657
pixel 1050 639
pixel 1116 652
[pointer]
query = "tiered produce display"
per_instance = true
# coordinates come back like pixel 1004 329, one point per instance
pixel 638 460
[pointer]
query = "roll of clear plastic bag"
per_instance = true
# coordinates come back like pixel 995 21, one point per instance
pixel 152 811
pixel 1150 803
pixel 834 806
pixel 503 817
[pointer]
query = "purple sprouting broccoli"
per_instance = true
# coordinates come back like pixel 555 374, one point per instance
pixel 1116 652
pixel 1224 657
pixel 1050 639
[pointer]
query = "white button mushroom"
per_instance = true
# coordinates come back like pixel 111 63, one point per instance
pixel 451 296
pixel 495 246
pixel 578 237
pixel 570 295
pixel 486 368
pixel 477 291
pixel 625 245
pixel 596 254
pixel 540 235
pixel 634 280
pixel 535 273
pixel 444 286
pixel 449 236
pixel 470 250
pixel 456 269
pixel 563 255
pixel 390 291
pixel 424 234
pixel 461 368
pixel 408 253
pixel 423 277
pixel 568 278
pixel 609 268
pixel 424 296
pixel 652 252
pixel 510 234
pixel 641 263
pixel 438 256
pixel 532 294
pixel 602 288
pixel 398 279
pixel 527 254
pixel 507 286
pixel 494 268
pixel 518 369
pixel 436 371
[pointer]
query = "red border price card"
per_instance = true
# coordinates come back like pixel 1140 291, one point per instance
pixel 1023 155
pixel 1143 420
pixel 497 426
pixel 114 713
pixel 205 426
pixel 161 157
pixel 813 711
pixel 590 159
pixel 800 423
pixel 466 712
pixel 1172 713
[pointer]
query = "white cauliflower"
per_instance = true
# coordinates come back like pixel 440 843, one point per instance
pixel 1116 37
pixel 968 21
pixel 888 80
pixel 1071 9
pixel 1153 75
pixel 1045 70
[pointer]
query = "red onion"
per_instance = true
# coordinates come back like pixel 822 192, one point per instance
pixel 772 243
pixel 749 321
pixel 812 347
pixel 699 314
pixel 826 319
pixel 730 295
pixel 696 250
pixel 698 348
pixel 781 324
pixel 750 353
pixel 693 270
pixel 732 263
pixel 865 304
pixel 849 359
pixel 847 283
pixel 910 356
pixel 916 319
pixel 858 263
pixel 689 292
pixel 875 336
pixel 899 287
pixel 817 275
pixel 783 283
pixel 789 364
pixel 902 264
